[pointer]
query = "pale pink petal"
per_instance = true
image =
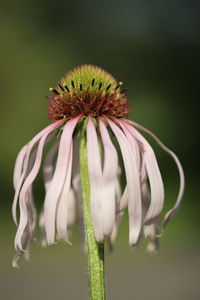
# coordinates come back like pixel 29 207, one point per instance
pixel 48 170
pixel 30 146
pixel 155 179
pixel 136 153
pixel 123 204
pixel 54 191
pixel 95 175
pixel 24 241
pixel 133 183
pixel 118 215
pixel 76 190
pixel 18 169
pixel 133 143
pixel 172 211
pixel 63 204
pixel 110 169
pixel 29 167
pixel 118 192
pixel 25 190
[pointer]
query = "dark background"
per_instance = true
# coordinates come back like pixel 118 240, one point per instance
pixel 153 47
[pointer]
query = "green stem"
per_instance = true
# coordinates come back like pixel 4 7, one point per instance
pixel 95 251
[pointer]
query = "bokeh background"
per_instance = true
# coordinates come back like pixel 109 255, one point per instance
pixel 153 47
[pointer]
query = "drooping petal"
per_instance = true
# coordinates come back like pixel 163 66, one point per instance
pixel 29 167
pixel 118 214
pixel 30 145
pixel 136 153
pixel 172 211
pixel 25 191
pixel 25 240
pixel 109 180
pixel 18 169
pixel 48 170
pixel 118 191
pixel 133 183
pixel 63 204
pixel 54 190
pixel 95 175
pixel 155 179
pixel 133 143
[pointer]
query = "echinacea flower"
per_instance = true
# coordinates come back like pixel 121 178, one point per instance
pixel 90 97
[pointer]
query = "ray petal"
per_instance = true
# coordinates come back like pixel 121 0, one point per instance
pixel 24 196
pixel 63 205
pixel 30 147
pixel 155 179
pixel 95 175
pixel 133 183
pixel 174 209
pixel 55 188
pixel 110 169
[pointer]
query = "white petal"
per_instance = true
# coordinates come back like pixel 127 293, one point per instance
pixel 118 192
pixel 95 175
pixel 19 180
pixel 155 179
pixel 24 197
pixel 54 191
pixel 172 211
pixel 133 183
pixel 63 204
pixel 137 157
pixel 118 215
pixel 18 169
pixel 110 169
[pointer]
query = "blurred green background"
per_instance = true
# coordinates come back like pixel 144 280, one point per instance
pixel 153 47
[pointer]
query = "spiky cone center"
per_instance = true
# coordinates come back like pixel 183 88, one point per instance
pixel 87 90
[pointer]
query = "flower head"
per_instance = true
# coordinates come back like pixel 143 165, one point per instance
pixel 88 91
pixel 88 96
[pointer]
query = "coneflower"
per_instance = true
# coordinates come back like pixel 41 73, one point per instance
pixel 88 110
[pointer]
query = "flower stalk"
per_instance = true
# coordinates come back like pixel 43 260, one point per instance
pixel 95 250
